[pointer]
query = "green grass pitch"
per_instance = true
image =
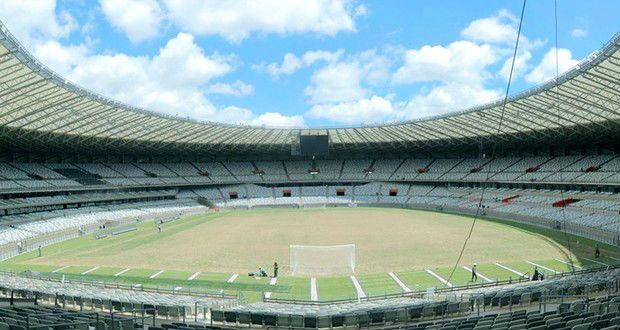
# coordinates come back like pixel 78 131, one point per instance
pixel 218 245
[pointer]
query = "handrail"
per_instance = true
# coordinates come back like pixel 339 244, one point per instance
pixel 421 293
pixel 109 285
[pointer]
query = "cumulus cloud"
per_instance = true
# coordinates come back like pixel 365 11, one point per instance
pixel 447 98
pixel 546 69
pixel 500 28
pixel 338 82
pixel 35 21
pixel 138 19
pixel 236 20
pixel 292 63
pixel 462 61
pixel 373 109
pixel 237 88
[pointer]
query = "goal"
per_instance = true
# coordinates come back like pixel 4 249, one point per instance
pixel 322 260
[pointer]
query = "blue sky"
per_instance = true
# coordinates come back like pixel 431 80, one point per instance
pixel 306 63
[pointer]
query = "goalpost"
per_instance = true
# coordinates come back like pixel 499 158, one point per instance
pixel 322 260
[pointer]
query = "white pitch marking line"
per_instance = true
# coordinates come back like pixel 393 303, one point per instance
pixel 122 272
pixel 399 282
pixel 358 287
pixel 613 258
pixel 567 263
pixel 596 261
pixel 232 278
pixel 90 270
pixel 272 281
pixel 509 269
pixel 479 274
pixel 542 267
pixel 156 274
pixel 441 279
pixel 194 275
pixel 314 292
pixel 60 269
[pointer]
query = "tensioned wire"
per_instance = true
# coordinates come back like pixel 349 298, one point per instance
pixel 499 128
pixel 557 104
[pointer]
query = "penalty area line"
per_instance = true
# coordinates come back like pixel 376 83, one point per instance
pixel 568 263
pixel 90 270
pixel 399 282
pixel 509 269
pixel 122 272
pixel 441 279
pixel 542 267
pixel 358 287
pixel 314 292
pixel 232 278
pixel 60 269
pixel 479 274
pixel 156 274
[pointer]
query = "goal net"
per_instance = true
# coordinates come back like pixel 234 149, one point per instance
pixel 322 260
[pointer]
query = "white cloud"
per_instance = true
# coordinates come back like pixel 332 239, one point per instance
pixel 447 98
pixel 338 82
pixel 59 57
pixel 579 33
pixel 546 69
pixel 169 82
pixel 236 20
pixel 275 119
pixel 495 29
pixel 462 61
pixel 139 19
pixel 33 21
pixel 291 62
pixel 237 88
pixel 373 109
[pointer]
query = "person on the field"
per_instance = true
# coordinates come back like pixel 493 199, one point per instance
pixel 536 275
pixel 474 276
pixel 39 250
pixel 262 272
pixel 275 269
pixel 597 252
pixel 159 228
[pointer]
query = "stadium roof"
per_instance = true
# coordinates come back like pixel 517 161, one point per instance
pixel 40 110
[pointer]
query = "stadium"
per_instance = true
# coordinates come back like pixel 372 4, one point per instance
pixel 115 216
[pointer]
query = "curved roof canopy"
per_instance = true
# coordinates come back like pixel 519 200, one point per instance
pixel 41 110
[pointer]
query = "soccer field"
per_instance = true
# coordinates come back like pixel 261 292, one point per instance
pixel 397 249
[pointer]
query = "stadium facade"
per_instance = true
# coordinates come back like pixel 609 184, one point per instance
pixel 71 158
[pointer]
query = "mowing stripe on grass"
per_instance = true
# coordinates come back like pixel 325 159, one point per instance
pixel 509 269
pixel 193 276
pixel 272 281
pixel 399 282
pixel 479 274
pixel 314 291
pixel 541 266
pixel 232 278
pixel 156 274
pixel 90 270
pixel 122 272
pixel 441 279
pixel 595 261
pixel 568 263
pixel 60 269
pixel 358 287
